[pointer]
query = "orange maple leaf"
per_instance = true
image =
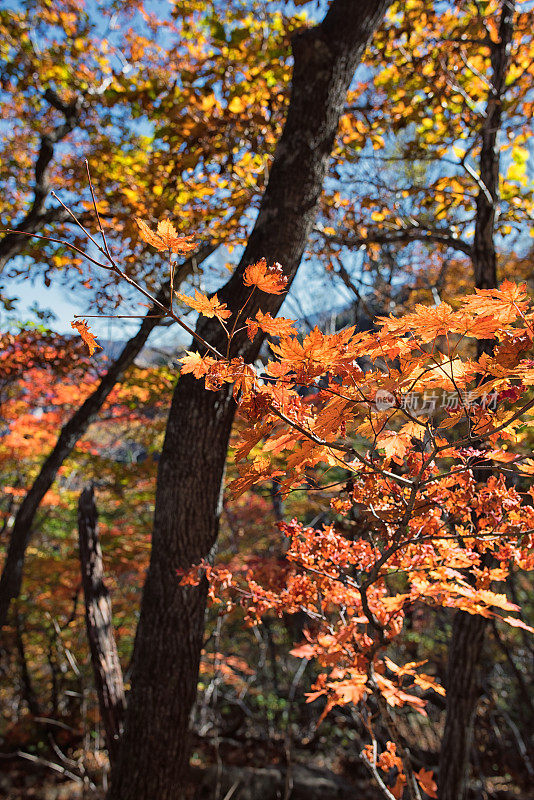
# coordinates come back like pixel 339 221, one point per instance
pixel 425 779
pixel 81 326
pixel 351 691
pixel 433 321
pixel 195 363
pixel 395 444
pixel 207 306
pixel 303 651
pixel 504 304
pixel 280 326
pixel 166 237
pixel 269 279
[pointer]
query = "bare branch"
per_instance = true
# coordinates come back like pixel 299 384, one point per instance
pixel 417 232
pixel 37 217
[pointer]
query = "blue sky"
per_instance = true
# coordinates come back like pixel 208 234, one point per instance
pixel 306 298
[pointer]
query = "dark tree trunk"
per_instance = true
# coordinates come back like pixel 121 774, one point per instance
pixel 154 751
pixel 468 630
pixel 277 500
pixel 463 693
pixel 484 254
pixel 98 619
pixel 21 530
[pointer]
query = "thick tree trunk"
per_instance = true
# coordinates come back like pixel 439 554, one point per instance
pixel 98 618
pixel 20 534
pixel 468 630
pixel 463 693
pixel 484 254
pixel 154 751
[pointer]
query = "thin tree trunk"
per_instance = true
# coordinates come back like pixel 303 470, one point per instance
pixel 98 619
pixel 154 751
pixel 74 428
pixel 277 500
pixel 468 630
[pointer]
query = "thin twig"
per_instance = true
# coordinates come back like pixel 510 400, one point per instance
pixel 96 208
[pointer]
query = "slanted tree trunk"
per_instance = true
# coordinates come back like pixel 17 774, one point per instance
pixel 98 619
pixel 463 674
pixel 154 751
pixel 74 428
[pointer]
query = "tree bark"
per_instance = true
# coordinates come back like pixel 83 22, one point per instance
pixel 20 535
pixel 98 619
pixel 484 253
pixel 463 693
pixel 154 751
pixel 469 630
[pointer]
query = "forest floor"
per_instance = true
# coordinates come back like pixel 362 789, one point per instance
pixel 255 763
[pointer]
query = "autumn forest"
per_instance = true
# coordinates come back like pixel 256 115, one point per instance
pixel 266 400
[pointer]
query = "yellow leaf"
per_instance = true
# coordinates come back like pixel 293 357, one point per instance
pixel 196 364
pixel 207 306
pixel 236 105
pixel 166 237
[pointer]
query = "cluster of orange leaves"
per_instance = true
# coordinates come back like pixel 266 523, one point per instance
pixel 425 495
pixel 34 348
pixel 388 760
pixel 424 492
